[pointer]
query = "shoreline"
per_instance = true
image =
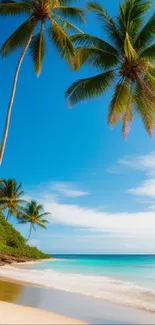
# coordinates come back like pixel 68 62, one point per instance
pixel 71 305
pixel 17 314
pixel 14 280
pixel 31 262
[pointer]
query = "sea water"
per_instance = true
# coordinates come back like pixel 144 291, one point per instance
pixel 125 279
pixel 138 269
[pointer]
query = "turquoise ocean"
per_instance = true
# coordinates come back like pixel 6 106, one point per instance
pixel 124 279
pixel 137 269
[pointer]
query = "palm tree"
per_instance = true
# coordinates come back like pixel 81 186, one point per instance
pixel 126 62
pixel 34 215
pixel 30 34
pixel 11 197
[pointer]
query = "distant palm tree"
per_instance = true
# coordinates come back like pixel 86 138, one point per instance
pixel 34 215
pixel 11 197
pixel 30 34
pixel 126 62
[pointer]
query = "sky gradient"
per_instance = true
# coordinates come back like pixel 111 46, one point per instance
pixel 99 189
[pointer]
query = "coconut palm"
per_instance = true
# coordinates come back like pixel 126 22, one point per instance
pixel 31 34
pixel 125 62
pixel 11 197
pixel 34 215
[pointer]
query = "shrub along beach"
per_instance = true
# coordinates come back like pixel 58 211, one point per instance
pixel 13 246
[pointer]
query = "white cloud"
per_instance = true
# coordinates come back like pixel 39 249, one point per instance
pixel 68 190
pixel 147 188
pixel 96 229
pixel 141 224
pixel 55 189
pixel 144 163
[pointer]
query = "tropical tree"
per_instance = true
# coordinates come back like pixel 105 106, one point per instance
pixel 55 15
pixel 34 215
pixel 125 62
pixel 11 197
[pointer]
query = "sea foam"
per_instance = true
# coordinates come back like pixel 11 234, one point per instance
pixel 102 287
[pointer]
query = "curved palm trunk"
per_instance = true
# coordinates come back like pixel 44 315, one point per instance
pixel 8 215
pixel 29 232
pixel 3 143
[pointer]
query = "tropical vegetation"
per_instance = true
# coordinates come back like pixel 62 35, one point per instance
pixel 44 18
pixel 13 243
pixel 34 215
pixel 125 62
pixel 12 203
pixel 11 199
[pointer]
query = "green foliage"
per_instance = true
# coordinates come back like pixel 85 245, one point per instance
pixel 131 55
pixel 18 38
pixel 55 14
pixel 37 50
pixel 34 215
pixel 10 197
pixel 14 8
pixel 90 87
pixel 12 242
pixel 60 39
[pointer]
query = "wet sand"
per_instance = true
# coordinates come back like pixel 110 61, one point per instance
pixel 16 314
pixel 75 306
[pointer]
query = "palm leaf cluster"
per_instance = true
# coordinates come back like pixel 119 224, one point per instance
pixel 11 197
pixel 12 203
pixel 44 16
pixel 126 62
pixel 51 17
pixel 34 215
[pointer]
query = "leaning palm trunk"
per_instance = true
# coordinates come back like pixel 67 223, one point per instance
pixel 5 134
pixel 29 232
pixel 8 215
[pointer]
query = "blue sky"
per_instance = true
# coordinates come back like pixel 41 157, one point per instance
pixel 99 189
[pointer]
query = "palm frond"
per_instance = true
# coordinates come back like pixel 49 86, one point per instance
pixel 37 50
pixel 145 108
pixel 131 13
pixel 14 8
pixel 73 13
pixel 128 48
pixel 19 187
pixel 44 214
pixel 85 40
pixel 149 53
pixel 119 102
pixel 146 35
pixel 127 120
pixel 150 81
pixel 39 223
pixel 89 87
pixel 94 56
pixel 18 37
pixel 147 92
pixel 66 25
pixel 108 23
pixel 60 39
pixel 23 221
pixel 3 206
